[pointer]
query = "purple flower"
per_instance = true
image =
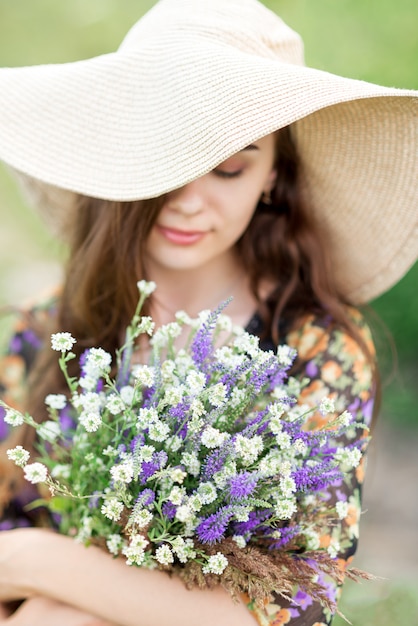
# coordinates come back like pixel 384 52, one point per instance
pixel 94 500
pixel 148 469
pixel 145 497
pixel 212 528
pixel 66 420
pixel 287 533
pixel 302 599
pixel 4 429
pixel 242 485
pixel 316 478
pixel 169 510
pixel 137 442
pixel 255 519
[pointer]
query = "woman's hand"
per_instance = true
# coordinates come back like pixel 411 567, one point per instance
pixel 40 611
pixel 14 545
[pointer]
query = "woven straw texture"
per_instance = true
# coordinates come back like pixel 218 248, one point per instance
pixel 196 81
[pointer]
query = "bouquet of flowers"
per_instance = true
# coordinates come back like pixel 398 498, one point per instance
pixel 198 462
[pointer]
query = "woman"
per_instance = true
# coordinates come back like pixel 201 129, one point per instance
pixel 207 158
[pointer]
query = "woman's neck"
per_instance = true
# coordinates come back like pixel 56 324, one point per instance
pixel 204 287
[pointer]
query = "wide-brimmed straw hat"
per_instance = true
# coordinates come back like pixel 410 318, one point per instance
pixel 194 82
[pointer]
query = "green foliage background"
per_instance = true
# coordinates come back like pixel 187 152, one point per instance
pixel 374 40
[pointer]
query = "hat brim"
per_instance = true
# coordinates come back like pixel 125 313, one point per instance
pixel 121 128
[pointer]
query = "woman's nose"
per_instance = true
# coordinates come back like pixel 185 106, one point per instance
pixel 188 199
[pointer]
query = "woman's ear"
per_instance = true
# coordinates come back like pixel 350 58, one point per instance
pixel 271 181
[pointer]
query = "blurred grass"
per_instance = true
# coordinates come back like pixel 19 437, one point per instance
pixel 373 40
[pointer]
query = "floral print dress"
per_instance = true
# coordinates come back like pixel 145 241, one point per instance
pixel 335 366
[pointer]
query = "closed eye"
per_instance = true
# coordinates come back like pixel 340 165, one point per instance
pixel 223 174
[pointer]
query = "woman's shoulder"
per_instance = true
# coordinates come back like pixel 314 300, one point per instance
pixel 318 333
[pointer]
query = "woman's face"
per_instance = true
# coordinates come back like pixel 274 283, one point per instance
pixel 201 222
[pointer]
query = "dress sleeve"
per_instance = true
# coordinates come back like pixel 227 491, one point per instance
pixel 15 365
pixel 336 367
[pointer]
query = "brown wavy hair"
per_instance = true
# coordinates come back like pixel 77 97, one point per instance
pixel 282 244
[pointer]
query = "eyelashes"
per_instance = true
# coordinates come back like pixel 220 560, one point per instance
pixel 223 174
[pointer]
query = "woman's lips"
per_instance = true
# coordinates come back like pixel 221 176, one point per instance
pixel 181 237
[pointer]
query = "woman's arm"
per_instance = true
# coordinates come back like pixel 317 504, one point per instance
pixel 39 562
pixel 40 611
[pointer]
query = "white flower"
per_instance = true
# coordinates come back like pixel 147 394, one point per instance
pixel 97 362
pixel 13 418
pixel 212 437
pixel 247 343
pixel 196 382
pixel 279 393
pixel 283 441
pixel 114 544
pixel 49 430
pixel 326 406
pixel 182 317
pixel 146 325
pixel 167 369
pixel 242 513
pixel 144 375
pixel 112 509
pixel 216 564
pixel 237 397
pixel 240 541
pixel 217 394
pixel 62 342
pixel 90 421
pixel 177 475
pixel 285 355
pixel 173 443
pixel 333 548
pixel 90 401
pixel 158 431
pixel 287 486
pixel 300 446
pixel 18 455
pixel 248 448
pixel 224 323
pixel 62 471
pixel 115 404
pixel 285 508
pixel 191 463
pixel 350 457
pixel 123 473
pixel 342 509
pixel 146 417
pixel 146 287
pixel 164 555
pixel 195 502
pixel 184 513
pixel 276 410
pixel 269 465
pixel 197 408
pixel 346 418
pixel 127 394
pixel 177 495
pixel 174 395
pixel 228 471
pixel 313 541
pixel 135 553
pixel 207 492
pixel 145 453
pixel 89 383
pixel 35 473
pixel 56 401
pixel 141 518
pixel 183 549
